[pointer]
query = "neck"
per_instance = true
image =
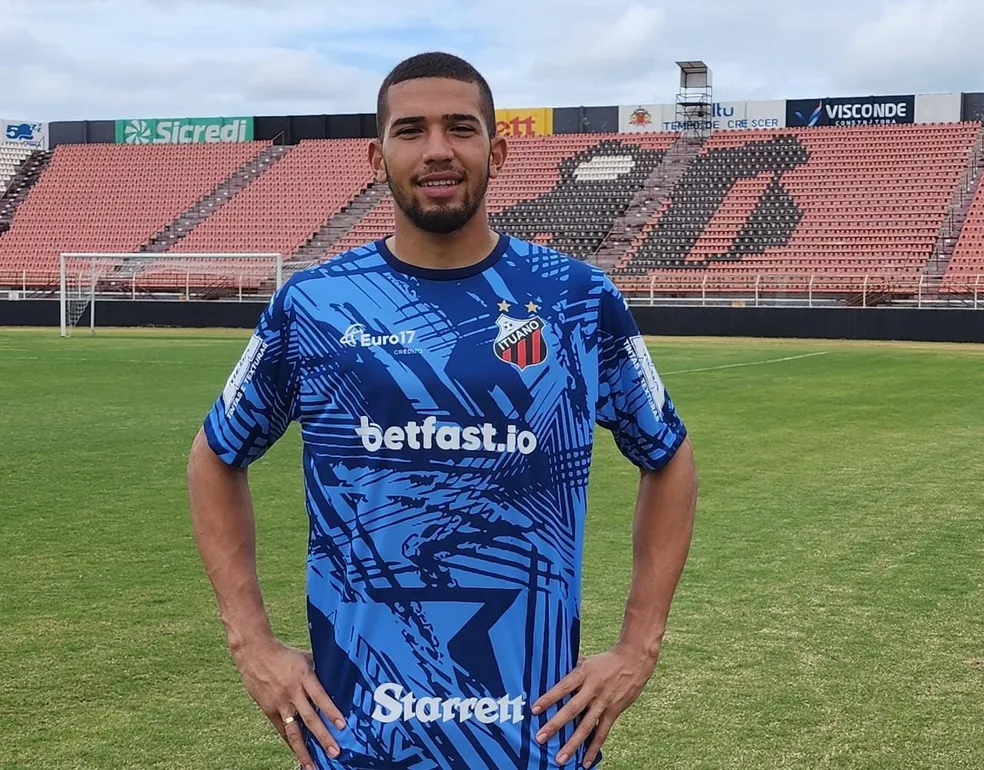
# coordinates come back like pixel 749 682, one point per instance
pixel 463 248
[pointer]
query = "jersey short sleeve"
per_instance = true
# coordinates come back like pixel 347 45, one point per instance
pixel 632 400
pixel 259 399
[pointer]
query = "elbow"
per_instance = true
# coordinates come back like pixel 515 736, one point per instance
pixel 199 446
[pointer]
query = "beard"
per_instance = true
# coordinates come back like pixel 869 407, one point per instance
pixel 440 218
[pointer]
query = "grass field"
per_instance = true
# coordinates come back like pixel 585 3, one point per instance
pixel 831 614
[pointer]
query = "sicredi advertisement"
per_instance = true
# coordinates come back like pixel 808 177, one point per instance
pixel 184 131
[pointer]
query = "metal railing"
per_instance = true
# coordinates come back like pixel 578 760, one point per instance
pixel 805 289
pixel 187 283
pixel 753 289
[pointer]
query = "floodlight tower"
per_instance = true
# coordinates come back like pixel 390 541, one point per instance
pixel 695 102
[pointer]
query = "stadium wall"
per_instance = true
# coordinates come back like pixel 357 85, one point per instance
pixel 585 120
pixel 626 118
pixel 915 325
pixel 973 107
pixel 82 132
pixel 938 108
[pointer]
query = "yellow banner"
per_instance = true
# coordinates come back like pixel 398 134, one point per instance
pixel 535 121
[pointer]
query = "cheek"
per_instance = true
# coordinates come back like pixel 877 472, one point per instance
pixel 398 166
pixel 477 167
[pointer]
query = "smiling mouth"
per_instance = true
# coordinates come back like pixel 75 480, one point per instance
pixel 441 183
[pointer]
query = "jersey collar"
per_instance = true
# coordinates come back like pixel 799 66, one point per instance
pixel 443 274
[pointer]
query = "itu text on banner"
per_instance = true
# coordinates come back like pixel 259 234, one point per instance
pixel 851 111
pixel 731 116
pixel 722 116
pixel 530 122
pixel 184 131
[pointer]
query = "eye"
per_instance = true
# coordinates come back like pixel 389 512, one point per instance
pixel 466 128
pixel 406 131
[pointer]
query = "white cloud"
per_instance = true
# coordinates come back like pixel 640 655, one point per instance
pixel 97 59
pixel 918 46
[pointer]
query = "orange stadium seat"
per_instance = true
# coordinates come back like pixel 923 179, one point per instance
pixel 284 207
pixel 783 209
pixel 111 198
pixel 563 190
pixel 821 201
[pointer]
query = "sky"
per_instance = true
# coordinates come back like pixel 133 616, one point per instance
pixel 108 59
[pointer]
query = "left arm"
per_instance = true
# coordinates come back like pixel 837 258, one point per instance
pixel 664 521
pixel 634 405
pixel 609 683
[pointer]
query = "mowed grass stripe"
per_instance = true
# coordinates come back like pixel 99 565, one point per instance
pixel 829 615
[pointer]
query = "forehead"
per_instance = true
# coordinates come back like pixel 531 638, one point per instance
pixel 433 97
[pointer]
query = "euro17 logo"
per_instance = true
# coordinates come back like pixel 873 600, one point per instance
pixel 520 340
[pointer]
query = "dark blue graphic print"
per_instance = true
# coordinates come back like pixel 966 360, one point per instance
pixel 447 440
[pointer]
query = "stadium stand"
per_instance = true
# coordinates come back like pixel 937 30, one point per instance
pixel 764 207
pixel 836 202
pixel 110 198
pixel 563 190
pixel 19 185
pixel 281 211
pixel 11 156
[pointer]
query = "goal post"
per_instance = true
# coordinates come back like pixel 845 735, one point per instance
pixel 84 278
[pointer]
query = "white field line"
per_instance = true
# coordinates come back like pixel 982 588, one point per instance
pixel 746 363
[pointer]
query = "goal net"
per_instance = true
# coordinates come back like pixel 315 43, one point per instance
pixel 85 279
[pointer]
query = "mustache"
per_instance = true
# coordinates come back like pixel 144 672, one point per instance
pixel 427 172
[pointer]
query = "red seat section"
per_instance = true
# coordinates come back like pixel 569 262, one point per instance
pixel 965 273
pixel 563 190
pixel 283 208
pixel 795 210
pixel 824 202
pixel 112 198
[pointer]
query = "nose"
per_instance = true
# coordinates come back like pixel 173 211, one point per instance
pixel 438 149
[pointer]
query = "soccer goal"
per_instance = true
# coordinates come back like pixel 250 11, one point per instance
pixel 86 278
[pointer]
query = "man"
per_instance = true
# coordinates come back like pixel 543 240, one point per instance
pixel 447 381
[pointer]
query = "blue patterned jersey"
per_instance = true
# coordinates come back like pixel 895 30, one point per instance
pixel 447 419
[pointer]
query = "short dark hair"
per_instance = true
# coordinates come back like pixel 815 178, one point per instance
pixel 435 64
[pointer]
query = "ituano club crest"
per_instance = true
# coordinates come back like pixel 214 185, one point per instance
pixel 520 341
pixel 640 117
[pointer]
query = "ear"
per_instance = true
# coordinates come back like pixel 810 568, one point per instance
pixel 497 155
pixel 376 162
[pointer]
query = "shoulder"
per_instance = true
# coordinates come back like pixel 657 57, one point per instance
pixel 343 267
pixel 550 264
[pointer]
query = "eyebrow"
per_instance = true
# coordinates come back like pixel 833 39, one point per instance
pixel 454 117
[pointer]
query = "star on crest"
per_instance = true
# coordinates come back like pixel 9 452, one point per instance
pixel 504 307
pixel 531 307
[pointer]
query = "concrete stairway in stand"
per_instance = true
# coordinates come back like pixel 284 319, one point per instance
pixel 221 195
pixel 646 201
pixel 318 246
pixel 956 215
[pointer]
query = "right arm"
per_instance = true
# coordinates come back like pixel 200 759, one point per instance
pixel 224 529
pixel 279 678
pixel 252 413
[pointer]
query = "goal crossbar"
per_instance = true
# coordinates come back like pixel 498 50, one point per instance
pixel 81 272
